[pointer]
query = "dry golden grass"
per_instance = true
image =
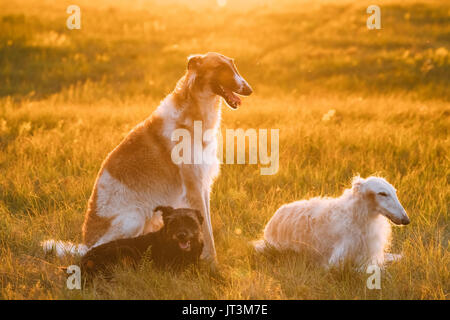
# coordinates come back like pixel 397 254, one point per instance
pixel 68 97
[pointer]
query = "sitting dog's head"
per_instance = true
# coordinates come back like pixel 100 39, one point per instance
pixel 218 73
pixel 182 229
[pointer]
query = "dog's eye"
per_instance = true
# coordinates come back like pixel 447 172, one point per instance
pixel 383 194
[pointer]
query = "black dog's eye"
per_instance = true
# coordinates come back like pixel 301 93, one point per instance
pixel 383 194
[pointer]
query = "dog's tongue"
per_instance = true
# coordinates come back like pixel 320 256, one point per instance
pixel 184 245
pixel 232 99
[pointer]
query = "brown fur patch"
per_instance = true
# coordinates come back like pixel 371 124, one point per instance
pixel 142 159
pixel 94 226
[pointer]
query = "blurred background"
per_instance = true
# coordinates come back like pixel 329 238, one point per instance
pixel 131 48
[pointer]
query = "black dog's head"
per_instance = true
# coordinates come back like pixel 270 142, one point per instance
pixel 182 229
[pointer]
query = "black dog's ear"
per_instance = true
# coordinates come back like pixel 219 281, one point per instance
pixel 163 209
pixel 199 216
pixel 166 212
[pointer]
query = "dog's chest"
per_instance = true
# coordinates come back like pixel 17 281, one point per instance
pixel 207 169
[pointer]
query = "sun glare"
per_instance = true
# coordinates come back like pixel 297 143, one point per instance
pixel 221 3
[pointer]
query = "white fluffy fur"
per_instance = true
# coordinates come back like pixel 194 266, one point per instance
pixel 351 228
pixel 62 248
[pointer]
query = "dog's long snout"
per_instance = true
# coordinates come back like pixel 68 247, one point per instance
pixel 405 220
pixel 246 90
pixel 243 88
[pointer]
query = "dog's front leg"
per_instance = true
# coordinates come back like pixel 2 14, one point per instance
pixel 197 199
pixel 208 223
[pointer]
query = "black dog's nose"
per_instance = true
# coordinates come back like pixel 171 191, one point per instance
pixel 181 235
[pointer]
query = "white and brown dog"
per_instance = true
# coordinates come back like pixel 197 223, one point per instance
pixel 139 174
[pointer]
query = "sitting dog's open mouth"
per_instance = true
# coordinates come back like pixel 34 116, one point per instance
pixel 231 98
pixel 185 245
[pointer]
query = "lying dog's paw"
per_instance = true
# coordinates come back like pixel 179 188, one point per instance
pixel 392 257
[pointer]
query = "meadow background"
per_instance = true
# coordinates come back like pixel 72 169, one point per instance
pixel 67 97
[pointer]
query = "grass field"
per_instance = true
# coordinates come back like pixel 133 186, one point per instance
pixel 68 97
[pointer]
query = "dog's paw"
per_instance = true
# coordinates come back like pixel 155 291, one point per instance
pixel 155 223
pixel 392 257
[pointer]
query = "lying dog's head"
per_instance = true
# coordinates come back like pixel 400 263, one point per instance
pixel 182 229
pixel 219 74
pixel 382 198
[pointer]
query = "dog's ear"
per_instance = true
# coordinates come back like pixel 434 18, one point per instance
pixel 199 216
pixel 358 185
pixel 194 61
pixel 166 212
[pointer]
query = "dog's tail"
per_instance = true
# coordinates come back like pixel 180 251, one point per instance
pixel 259 245
pixel 62 248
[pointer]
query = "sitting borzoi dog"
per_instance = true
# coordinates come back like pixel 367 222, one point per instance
pixel 350 228
pixel 139 173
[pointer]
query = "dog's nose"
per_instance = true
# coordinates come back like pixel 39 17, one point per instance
pixel 405 221
pixel 247 90
pixel 181 235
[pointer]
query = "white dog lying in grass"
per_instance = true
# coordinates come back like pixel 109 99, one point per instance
pixel 352 228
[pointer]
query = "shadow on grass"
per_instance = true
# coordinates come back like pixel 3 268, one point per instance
pixel 38 60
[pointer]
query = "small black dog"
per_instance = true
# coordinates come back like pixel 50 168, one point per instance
pixel 178 243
